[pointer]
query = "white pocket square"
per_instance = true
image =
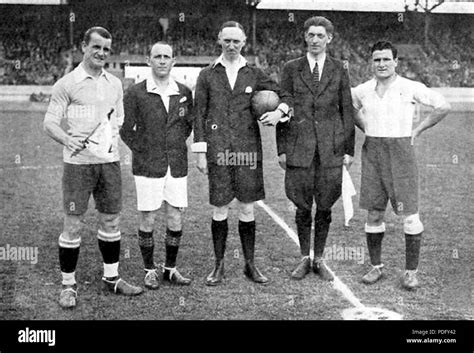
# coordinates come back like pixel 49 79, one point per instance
pixel 183 99
pixel 248 89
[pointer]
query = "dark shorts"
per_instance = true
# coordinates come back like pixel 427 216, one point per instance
pixel 323 185
pixel 389 172
pixel 104 181
pixel 229 182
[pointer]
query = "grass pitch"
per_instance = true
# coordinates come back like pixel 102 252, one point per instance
pixel 31 216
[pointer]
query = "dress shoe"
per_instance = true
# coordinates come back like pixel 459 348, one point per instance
pixel 254 274
pixel 303 268
pixel 409 280
pixel 320 268
pixel 217 275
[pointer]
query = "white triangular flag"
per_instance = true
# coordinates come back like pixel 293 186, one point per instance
pixel 348 190
pixel 103 139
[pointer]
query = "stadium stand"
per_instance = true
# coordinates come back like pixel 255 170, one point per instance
pixel 35 47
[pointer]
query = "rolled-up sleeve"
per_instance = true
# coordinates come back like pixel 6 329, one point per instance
pixel 356 101
pixel 429 97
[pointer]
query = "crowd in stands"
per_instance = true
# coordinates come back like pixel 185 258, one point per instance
pixel 36 49
pixel 31 53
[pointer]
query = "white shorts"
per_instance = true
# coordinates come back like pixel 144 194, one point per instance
pixel 151 192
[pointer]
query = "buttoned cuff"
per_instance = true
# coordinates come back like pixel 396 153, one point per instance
pixel 199 147
pixel 286 112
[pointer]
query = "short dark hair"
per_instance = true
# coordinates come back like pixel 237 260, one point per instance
pixel 162 42
pixel 232 24
pixel 381 45
pixel 319 21
pixel 101 31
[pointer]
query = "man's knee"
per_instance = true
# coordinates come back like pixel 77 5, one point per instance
pixel 412 224
pixel 303 217
pixel 109 223
pixel 246 212
pixel 220 213
pixel 375 223
pixel 147 220
pixel 375 217
pixel 323 216
pixel 173 218
pixel 72 226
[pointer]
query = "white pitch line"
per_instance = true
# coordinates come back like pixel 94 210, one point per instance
pixel 337 283
pixel 280 222
pixel 31 167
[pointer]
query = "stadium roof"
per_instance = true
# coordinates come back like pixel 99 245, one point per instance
pixel 34 2
pixel 464 7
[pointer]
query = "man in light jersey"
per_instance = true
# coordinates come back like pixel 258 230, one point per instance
pixel 385 106
pixel 89 99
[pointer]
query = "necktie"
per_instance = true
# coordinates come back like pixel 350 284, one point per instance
pixel 316 76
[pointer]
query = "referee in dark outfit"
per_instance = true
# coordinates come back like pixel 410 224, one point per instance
pixel 158 120
pixel 317 141
pixel 224 125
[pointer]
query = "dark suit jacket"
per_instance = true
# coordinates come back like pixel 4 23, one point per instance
pixel 157 138
pixel 322 121
pixel 224 117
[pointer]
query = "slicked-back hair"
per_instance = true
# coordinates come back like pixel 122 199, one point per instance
pixel 382 45
pixel 101 31
pixel 232 24
pixel 162 42
pixel 319 21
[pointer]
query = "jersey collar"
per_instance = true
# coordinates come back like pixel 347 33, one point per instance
pixel 80 74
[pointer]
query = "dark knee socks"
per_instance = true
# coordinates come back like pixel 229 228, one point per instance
pixel 322 220
pixel 219 231
pixel 412 252
pixel 303 225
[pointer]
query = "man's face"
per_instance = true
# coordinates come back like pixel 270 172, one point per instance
pixel 232 40
pixel 96 51
pixel 161 60
pixel 317 39
pixel 383 63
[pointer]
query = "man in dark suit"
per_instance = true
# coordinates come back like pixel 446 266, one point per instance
pixel 158 120
pixel 227 140
pixel 317 141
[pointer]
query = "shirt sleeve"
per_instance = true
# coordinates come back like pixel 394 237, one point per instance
pixel 128 131
pixel 119 106
pixel 356 101
pixel 286 112
pixel 201 100
pixel 427 96
pixel 58 104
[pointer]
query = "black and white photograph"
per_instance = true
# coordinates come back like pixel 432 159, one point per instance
pixel 236 175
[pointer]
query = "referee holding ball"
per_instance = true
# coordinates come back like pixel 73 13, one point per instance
pixel 225 124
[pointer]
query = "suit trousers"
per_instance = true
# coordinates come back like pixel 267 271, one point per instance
pixel 305 184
